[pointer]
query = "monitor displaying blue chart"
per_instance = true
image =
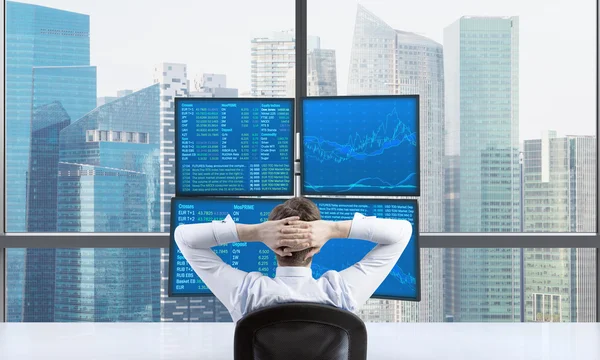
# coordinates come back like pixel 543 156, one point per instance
pixel 337 254
pixel 403 282
pixel 253 256
pixel 234 147
pixel 367 145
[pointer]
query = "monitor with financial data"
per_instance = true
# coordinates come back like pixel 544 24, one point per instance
pixel 403 282
pixel 235 147
pixel 360 145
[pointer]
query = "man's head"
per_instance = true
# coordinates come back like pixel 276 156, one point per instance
pixel 307 211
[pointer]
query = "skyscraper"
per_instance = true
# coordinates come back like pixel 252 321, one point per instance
pixel 213 85
pixel 481 67
pixel 59 95
pixel 388 61
pixel 321 73
pixel 46 123
pixel 37 37
pixel 54 38
pixel 559 185
pixel 173 82
pixel 272 57
pixel 108 182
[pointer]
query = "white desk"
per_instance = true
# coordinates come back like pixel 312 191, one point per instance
pixel 214 341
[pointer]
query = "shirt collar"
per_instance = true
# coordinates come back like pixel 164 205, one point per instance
pixel 293 271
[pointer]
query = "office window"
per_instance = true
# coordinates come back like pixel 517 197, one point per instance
pixel 457 285
pixel 77 133
pixel 495 156
pixel 62 91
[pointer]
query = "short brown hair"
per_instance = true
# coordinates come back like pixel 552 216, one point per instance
pixel 307 211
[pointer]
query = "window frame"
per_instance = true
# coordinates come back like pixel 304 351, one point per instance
pixel 161 240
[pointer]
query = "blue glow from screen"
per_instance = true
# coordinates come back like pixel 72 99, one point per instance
pixel 337 254
pixel 360 146
pixel 234 146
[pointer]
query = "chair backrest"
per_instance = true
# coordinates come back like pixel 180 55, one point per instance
pixel 303 331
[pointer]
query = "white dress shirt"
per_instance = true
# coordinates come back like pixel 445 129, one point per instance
pixel 242 292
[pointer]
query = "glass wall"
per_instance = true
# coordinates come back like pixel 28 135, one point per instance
pixel 539 285
pixel 503 148
pixel 89 100
pixel 89 140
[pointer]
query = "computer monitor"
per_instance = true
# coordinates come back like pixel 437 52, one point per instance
pixel 362 145
pixel 403 283
pixel 234 147
pixel 253 256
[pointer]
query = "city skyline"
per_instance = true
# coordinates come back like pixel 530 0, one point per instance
pixel 230 49
pixel 125 145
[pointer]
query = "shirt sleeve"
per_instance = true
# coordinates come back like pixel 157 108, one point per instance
pixel 195 241
pixel 392 237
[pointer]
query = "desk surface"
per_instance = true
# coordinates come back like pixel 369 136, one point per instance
pixel 214 341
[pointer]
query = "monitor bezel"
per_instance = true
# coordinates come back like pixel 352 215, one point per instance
pixel 300 130
pixel 416 235
pixel 177 144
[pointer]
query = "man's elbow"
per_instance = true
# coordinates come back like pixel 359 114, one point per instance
pixel 178 235
pixel 402 233
pixel 407 230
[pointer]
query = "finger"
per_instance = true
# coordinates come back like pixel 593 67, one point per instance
pixel 294 230
pixel 312 253
pixel 282 252
pixel 299 222
pixel 286 237
pixel 288 219
pixel 294 243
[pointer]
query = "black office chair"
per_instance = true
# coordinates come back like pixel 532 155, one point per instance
pixel 302 331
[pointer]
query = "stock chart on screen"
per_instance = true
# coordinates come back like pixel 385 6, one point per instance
pixel 367 145
pixel 234 146
pixel 337 254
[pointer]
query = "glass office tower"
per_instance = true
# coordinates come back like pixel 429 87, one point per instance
pixel 321 73
pixel 35 37
pixel 388 61
pixel 559 196
pixel 59 95
pixel 108 181
pixel 172 78
pixel 481 70
pixel 46 123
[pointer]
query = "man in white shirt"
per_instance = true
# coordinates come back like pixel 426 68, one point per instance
pixel 295 232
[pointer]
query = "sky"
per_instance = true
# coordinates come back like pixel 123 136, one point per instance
pixel 558 43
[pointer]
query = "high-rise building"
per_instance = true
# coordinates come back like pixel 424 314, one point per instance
pixel 272 57
pixel 388 61
pixel 173 82
pixel 213 85
pixel 481 70
pixel 46 123
pixel 108 181
pixel 59 95
pixel 321 74
pixel 52 38
pixel 559 177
